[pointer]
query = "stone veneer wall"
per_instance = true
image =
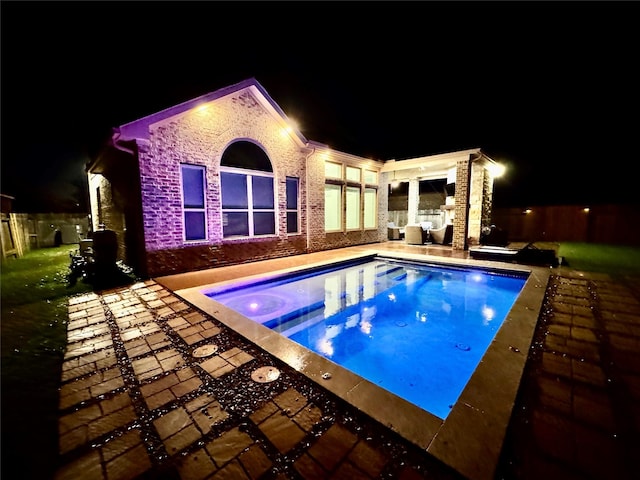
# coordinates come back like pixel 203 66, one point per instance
pixel 487 202
pixel 480 183
pixel 110 214
pixel 474 190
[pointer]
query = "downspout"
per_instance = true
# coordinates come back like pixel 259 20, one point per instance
pixel 139 250
pixel 306 180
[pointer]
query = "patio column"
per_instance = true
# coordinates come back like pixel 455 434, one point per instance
pixel 414 200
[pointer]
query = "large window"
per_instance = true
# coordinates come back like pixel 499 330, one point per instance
pixel 370 207
pixel 248 201
pixel 357 188
pixel 353 208
pixel 332 208
pixel 193 208
pixel 292 205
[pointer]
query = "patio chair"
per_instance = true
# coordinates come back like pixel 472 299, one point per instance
pixel 442 235
pixel 414 235
pixel 393 232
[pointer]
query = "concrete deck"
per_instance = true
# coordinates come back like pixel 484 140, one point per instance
pixel 140 399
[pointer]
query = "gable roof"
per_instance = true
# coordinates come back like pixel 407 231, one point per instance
pixel 437 166
pixel 139 129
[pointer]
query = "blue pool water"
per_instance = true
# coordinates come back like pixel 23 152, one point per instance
pixel 414 329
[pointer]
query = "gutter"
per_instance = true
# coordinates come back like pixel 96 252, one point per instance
pixel 115 138
pixel 306 187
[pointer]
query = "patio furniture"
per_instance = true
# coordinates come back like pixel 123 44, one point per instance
pixel 414 235
pixel 528 255
pixel 442 235
pixel 394 233
pixel 532 255
pixel 494 236
pixel 501 254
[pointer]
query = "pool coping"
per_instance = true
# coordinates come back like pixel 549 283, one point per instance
pixel 470 439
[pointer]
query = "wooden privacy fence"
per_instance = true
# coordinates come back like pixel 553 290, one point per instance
pixel 612 224
pixel 22 232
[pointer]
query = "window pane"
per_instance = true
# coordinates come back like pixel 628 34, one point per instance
pixel 332 207
pixel 353 174
pixel 332 170
pixel 264 223
pixel 262 192
pixel 235 223
pixel 370 178
pixel 194 225
pixel 292 222
pixel 247 155
pixel 370 210
pixel 292 193
pixel 193 186
pixel 353 207
pixel 234 190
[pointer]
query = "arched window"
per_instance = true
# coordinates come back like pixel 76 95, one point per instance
pixel 248 200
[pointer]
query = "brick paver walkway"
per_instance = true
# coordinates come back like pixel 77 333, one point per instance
pixel 138 400
pixel 578 412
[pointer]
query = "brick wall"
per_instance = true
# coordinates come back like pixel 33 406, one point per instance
pixel 462 198
pixel 200 137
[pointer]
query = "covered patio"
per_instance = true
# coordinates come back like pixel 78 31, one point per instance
pixel 439 190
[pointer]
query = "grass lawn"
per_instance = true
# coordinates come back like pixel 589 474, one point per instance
pixel 35 292
pixel 594 257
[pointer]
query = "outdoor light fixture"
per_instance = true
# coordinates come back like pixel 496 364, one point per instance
pixel 394 182
pixel 496 169
pixel 286 131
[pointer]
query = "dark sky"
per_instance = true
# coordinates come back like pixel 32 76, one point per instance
pixel 550 89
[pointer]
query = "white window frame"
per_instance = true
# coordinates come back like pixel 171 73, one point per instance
pixel 370 208
pixel 291 210
pixel 249 174
pixel 356 184
pixel 353 211
pixel 186 209
pixel 333 219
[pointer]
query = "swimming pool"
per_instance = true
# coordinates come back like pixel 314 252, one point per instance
pixel 416 330
pixel 471 436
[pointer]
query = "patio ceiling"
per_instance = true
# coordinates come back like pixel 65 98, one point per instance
pixel 427 168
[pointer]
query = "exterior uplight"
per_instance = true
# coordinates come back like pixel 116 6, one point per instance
pixel 289 128
pixel 286 131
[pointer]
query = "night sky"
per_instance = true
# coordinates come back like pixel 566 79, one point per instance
pixel 550 89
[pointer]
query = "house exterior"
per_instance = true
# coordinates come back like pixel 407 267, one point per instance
pixel 226 179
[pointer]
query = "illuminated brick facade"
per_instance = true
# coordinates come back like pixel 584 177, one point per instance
pixel 136 189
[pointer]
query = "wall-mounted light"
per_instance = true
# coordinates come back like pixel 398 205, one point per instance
pixel 496 169
pixel 527 211
pixel 585 209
